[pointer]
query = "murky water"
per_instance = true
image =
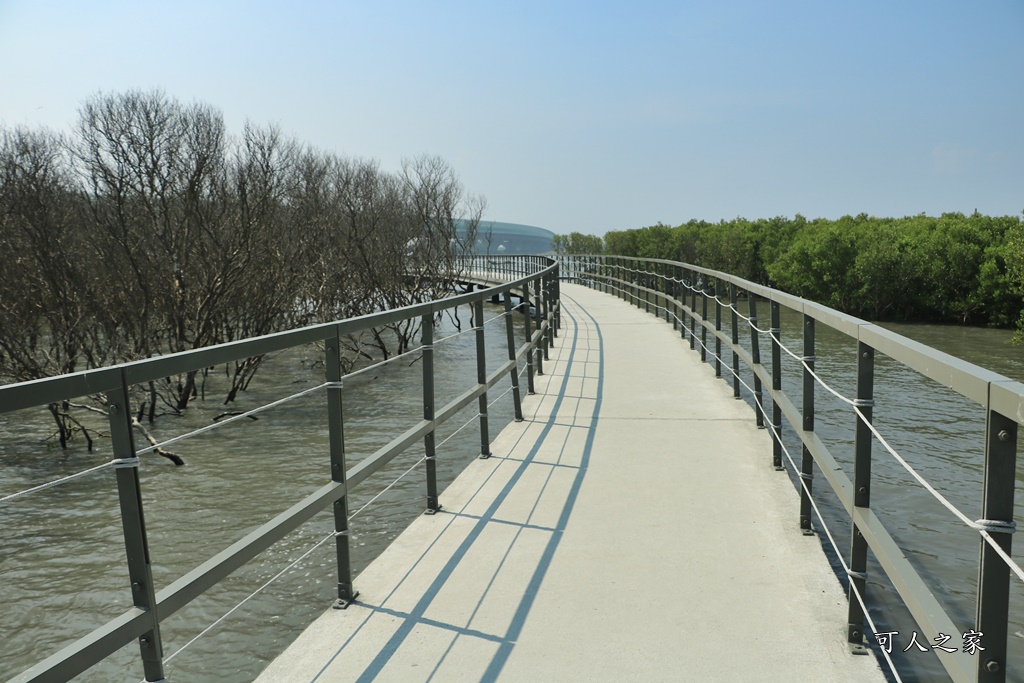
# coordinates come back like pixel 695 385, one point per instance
pixel 62 568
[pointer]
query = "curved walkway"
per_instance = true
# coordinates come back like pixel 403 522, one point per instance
pixel 631 528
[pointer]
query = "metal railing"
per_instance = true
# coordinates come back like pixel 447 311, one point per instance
pixel 534 278
pixel 684 292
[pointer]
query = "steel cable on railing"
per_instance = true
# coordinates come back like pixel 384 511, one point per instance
pixel 731 306
pixel 504 393
pixel 453 336
pixel 382 362
pixel 272 404
pixel 493 318
pixel 196 432
pixel 452 435
pixel 472 328
pixel 981 526
pixel 249 597
pixel 248 413
pixel 62 480
pixel 386 488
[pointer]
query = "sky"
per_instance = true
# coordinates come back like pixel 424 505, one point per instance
pixel 582 116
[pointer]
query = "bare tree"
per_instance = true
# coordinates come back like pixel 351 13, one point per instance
pixel 44 286
pixel 151 231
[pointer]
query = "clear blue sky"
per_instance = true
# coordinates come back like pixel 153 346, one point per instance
pixel 583 116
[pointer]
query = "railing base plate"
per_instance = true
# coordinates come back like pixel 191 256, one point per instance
pixel 342 603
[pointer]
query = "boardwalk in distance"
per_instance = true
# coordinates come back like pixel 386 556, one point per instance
pixel 631 528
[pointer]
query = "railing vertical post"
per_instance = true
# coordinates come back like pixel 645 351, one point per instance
pixel 703 320
pixel 776 386
pixel 427 341
pixel 677 294
pixel 677 314
pixel 538 308
pixel 993 576
pixel 529 339
pixel 626 282
pixel 616 272
pixel 693 310
pixel 339 471
pixel 629 278
pixel 735 319
pixel 543 300
pixel 624 285
pixel 556 286
pixel 755 356
pixel 133 523
pixel 632 284
pixel 550 282
pixel 510 334
pixel 807 463
pixel 861 492
pixel 666 291
pixel 648 286
pixel 718 330
pixel 481 377
pixel 681 274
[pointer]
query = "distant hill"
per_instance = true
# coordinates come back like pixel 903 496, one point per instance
pixel 493 237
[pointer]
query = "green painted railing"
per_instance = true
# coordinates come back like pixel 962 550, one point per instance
pixel 683 293
pixel 534 279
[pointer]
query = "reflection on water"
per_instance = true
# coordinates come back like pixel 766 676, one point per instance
pixel 62 572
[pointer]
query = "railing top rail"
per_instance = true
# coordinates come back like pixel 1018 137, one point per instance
pixel 38 392
pixel 985 387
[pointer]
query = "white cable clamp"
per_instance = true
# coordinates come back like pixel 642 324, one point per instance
pixel 334 385
pixel 806 475
pixel 125 463
pixel 996 526
pixel 857 575
pixel 864 402
pixel 808 359
pixel 427 347
pixel 776 330
pixel 341 533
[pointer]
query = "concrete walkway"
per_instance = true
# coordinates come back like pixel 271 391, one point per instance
pixel 630 529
